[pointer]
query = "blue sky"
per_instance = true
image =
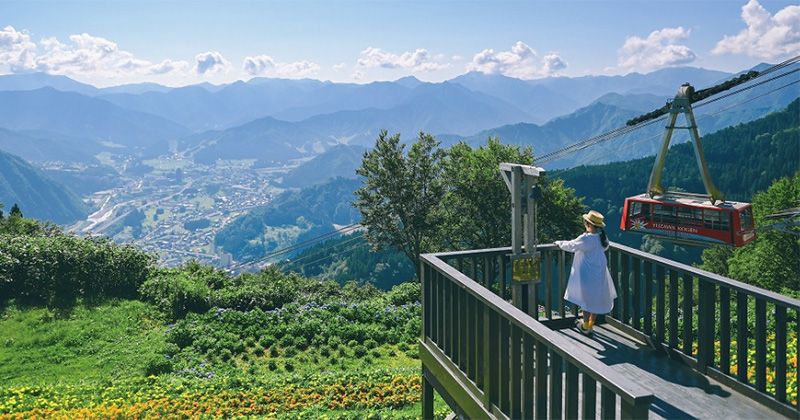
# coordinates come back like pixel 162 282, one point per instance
pixel 178 43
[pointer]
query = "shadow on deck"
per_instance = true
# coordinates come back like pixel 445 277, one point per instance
pixel 679 392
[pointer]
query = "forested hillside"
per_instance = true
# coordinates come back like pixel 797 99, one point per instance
pixel 350 258
pixel 338 161
pixel 291 217
pixel 40 196
pixel 743 159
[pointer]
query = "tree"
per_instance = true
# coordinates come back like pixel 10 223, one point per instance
pixel 15 211
pixel 401 193
pixel 476 210
pixel 772 261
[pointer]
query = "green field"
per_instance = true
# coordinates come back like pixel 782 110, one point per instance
pixel 321 350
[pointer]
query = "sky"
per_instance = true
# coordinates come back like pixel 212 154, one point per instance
pixel 177 43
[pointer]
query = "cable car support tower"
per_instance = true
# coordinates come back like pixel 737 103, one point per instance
pixel 682 105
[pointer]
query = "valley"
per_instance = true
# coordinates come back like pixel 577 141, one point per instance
pixel 177 207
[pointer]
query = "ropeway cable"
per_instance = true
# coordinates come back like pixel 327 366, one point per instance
pixel 581 145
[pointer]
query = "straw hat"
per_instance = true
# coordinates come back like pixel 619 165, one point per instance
pixel 595 218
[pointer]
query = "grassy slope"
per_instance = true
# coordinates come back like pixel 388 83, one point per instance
pixel 80 363
pixel 102 343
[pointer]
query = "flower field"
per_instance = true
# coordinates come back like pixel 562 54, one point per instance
pixel 154 397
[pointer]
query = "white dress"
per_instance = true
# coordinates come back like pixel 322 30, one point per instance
pixel 590 285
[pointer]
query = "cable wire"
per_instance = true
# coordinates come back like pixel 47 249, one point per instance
pixel 300 245
pixel 581 145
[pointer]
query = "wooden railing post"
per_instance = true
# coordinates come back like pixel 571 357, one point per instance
pixel 427 397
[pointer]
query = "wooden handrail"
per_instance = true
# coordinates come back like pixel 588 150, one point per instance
pixel 754 291
pixel 626 389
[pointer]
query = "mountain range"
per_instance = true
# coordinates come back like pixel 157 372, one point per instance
pixel 47 118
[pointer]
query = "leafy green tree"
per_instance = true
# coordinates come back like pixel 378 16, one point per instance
pixel 401 193
pixel 772 261
pixel 476 210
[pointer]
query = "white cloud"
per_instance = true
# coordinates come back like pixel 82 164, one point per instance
pixel 266 65
pixel 16 50
pixel 83 55
pixel 659 49
pixel 521 61
pixel 358 75
pixel 169 66
pixel 339 67
pixel 210 62
pixel 766 36
pixel 456 58
pixel 418 61
pixel 552 64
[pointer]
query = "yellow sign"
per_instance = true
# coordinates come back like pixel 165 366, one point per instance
pixel 525 269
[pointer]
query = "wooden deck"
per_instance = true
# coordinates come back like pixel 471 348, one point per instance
pixel 679 391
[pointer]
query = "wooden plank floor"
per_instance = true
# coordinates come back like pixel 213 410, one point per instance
pixel 680 392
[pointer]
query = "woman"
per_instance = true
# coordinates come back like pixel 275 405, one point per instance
pixel 590 285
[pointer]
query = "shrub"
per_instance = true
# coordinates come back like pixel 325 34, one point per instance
pixel 370 343
pixel 266 341
pixel 359 351
pixel 286 341
pixel 272 365
pixel 157 365
pixel 288 366
pixel 48 267
pixel 176 293
pixel 267 290
pixel 334 342
pixel 405 293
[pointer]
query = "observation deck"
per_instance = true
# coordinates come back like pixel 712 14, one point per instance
pixel 671 348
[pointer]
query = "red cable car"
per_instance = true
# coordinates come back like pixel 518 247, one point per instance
pixel 681 217
pixel 689 220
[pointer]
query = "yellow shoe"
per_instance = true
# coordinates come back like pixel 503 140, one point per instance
pixel 582 327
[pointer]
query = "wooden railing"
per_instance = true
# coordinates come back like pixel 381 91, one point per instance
pixel 712 322
pixel 489 358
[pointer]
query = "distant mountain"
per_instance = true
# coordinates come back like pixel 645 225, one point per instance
pixel 267 140
pixel 434 108
pixel 86 180
pixel 38 195
pixel 208 107
pixel 41 147
pixel 34 81
pixel 81 116
pixel 584 90
pixel 612 111
pixel 642 102
pixel 540 103
pixel 299 100
pixel 585 122
pixel 338 162
pixel 135 88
